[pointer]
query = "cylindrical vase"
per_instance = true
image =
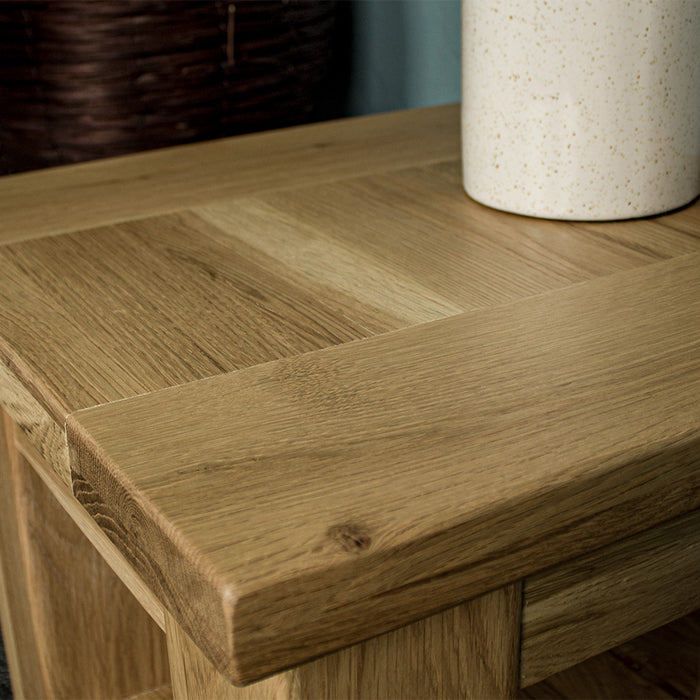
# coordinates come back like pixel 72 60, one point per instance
pixel 581 109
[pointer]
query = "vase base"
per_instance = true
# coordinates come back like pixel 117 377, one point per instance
pixel 572 214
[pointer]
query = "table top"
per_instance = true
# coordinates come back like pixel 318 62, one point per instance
pixel 312 391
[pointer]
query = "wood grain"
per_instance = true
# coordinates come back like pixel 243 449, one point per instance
pixel 78 633
pixel 366 486
pixel 294 242
pixel 600 678
pixel 662 663
pixel 95 640
pixel 97 538
pixel 20 641
pixel 412 243
pixel 167 304
pixel 45 434
pixel 592 603
pixel 135 307
pixel 469 651
pixel 659 664
pixel 105 191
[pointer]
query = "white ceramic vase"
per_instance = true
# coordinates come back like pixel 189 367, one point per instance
pixel 581 109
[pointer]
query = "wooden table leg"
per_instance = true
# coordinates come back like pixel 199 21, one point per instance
pixel 71 628
pixel 469 651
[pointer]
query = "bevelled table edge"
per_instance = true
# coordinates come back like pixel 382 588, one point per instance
pixel 243 659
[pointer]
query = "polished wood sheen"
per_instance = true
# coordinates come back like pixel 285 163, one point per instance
pixel 365 486
pixel 165 309
pixel 411 242
pixel 660 664
pixel 317 397
pixel 469 651
pixel 236 283
pixel 625 589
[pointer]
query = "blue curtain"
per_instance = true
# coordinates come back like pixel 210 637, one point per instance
pixel 405 53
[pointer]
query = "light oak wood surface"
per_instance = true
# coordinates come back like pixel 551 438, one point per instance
pixel 74 630
pixel 87 525
pixel 197 293
pixel 115 189
pixel 45 434
pixel 469 651
pixel 368 485
pixel 662 663
pixel 592 603
pixel 409 241
pixel 451 455
pixel 19 636
pixel 168 304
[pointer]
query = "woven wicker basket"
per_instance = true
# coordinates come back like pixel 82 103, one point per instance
pixel 86 79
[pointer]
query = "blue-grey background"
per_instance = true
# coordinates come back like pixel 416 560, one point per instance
pixel 403 53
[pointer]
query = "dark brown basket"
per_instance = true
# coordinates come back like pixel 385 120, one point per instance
pixel 93 78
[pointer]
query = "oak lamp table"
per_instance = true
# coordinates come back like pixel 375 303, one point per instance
pixel 289 416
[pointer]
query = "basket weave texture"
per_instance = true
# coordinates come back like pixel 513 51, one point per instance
pixel 87 79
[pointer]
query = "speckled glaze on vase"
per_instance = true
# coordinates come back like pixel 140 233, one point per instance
pixel 581 109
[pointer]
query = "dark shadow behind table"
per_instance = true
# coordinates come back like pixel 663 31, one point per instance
pixel 83 80
pixel 5 690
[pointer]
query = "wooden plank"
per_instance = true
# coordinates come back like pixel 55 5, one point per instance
pixel 45 434
pixel 189 295
pixel 111 555
pixel 96 641
pixel 193 676
pixel 393 249
pixel 592 603
pixel 105 191
pixel 73 629
pixel 166 304
pixel 469 651
pixel 659 664
pixel 412 243
pixel 246 280
pixel 362 487
pixel 601 678
pixel 20 641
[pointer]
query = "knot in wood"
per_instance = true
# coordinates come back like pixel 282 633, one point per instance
pixel 351 537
